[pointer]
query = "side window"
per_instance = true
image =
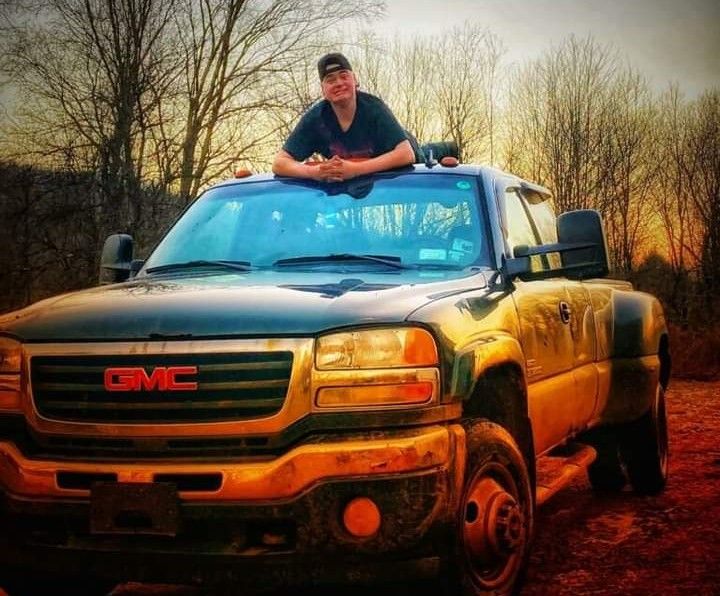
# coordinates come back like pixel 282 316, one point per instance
pixel 543 215
pixel 520 230
pixel 544 218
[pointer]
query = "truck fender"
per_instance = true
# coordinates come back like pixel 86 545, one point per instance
pixel 639 323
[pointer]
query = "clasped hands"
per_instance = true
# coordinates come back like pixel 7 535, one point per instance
pixel 335 169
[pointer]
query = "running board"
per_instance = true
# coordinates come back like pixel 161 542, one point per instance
pixel 556 470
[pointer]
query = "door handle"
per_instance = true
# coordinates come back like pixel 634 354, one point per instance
pixel 565 312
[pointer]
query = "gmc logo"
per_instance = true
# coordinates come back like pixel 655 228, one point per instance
pixel 162 378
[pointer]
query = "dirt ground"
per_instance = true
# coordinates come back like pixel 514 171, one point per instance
pixel 619 544
pixel 625 544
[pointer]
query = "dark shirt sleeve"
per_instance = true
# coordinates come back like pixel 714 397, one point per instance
pixel 388 130
pixel 303 140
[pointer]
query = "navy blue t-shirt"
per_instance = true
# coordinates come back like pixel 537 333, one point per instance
pixel 374 131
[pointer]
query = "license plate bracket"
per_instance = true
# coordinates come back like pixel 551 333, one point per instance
pixel 151 508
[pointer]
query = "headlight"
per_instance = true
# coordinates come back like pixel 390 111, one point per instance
pixel 10 353
pixel 376 348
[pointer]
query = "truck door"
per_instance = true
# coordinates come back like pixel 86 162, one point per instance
pixel 585 373
pixel 554 333
pixel 578 315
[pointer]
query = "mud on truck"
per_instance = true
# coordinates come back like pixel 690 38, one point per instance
pixel 311 382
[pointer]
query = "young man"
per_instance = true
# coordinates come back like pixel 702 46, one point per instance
pixel 347 125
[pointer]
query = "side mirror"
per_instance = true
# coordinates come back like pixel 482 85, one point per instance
pixel 581 245
pixel 583 227
pixel 116 259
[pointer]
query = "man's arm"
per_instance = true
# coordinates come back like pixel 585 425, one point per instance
pixel 286 165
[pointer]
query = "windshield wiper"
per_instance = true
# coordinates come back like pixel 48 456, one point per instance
pixel 390 261
pixel 236 265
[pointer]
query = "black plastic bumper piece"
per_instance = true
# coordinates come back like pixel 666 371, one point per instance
pixel 256 545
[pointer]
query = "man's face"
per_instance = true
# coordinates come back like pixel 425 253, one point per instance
pixel 339 86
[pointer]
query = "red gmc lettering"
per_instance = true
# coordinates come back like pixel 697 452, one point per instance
pixel 173 384
pixel 161 378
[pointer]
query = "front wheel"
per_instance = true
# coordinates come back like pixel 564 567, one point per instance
pixel 644 448
pixel 495 520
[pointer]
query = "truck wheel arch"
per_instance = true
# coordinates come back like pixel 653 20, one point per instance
pixel 639 325
pixel 500 396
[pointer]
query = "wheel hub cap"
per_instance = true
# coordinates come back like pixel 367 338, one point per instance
pixel 494 522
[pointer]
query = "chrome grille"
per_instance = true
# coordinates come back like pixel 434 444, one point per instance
pixel 237 386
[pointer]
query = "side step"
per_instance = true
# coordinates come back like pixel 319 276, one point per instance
pixel 556 470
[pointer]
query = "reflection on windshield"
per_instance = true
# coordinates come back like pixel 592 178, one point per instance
pixel 417 220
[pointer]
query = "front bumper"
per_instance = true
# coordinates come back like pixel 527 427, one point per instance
pixel 263 517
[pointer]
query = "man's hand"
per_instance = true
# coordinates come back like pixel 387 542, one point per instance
pixel 320 170
pixel 337 169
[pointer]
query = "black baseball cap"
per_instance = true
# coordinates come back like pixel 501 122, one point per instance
pixel 333 62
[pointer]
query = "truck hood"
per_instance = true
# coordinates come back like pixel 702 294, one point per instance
pixel 257 303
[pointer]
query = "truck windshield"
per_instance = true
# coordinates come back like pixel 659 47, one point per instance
pixel 416 220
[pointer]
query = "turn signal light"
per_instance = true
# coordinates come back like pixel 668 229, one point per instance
pixel 375 395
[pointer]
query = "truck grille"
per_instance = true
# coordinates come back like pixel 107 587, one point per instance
pixel 237 386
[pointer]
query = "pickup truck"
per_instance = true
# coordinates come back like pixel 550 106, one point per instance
pixel 326 382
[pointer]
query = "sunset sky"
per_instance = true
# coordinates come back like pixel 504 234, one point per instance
pixel 667 40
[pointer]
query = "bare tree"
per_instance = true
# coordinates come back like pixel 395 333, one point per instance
pixel 524 126
pixel 673 196
pixel 705 145
pixel 627 167
pixel 234 54
pixel 90 65
pixel 439 87
pixel 168 92
pixel 688 200
pixel 415 81
pixel 560 109
pixel 468 59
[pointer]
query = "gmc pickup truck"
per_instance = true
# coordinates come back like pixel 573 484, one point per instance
pixel 312 382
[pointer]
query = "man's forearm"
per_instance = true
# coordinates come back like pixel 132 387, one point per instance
pixel 402 155
pixel 285 165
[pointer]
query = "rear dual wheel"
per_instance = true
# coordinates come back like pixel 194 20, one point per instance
pixel 644 448
pixel 640 447
pixel 606 473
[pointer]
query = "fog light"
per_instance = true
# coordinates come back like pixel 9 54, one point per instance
pixel 361 517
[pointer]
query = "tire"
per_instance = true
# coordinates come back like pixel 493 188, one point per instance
pixel 495 518
pixel 606 472
pixel 644 448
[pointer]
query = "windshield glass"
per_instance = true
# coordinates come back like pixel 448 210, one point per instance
pixel 422 220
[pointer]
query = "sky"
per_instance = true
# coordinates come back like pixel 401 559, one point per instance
pixel 666 40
